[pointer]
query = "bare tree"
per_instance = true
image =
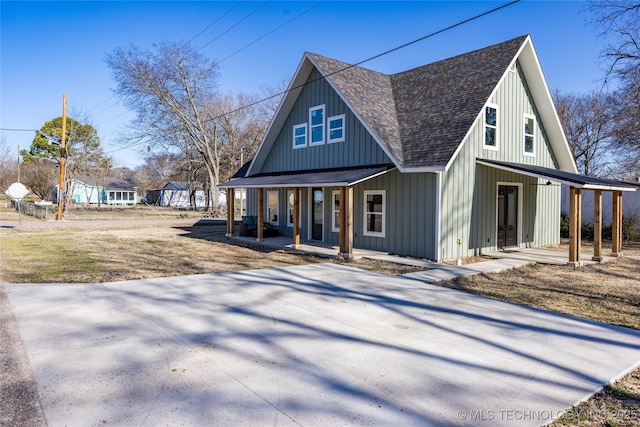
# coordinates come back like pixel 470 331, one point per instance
pixel 618 22
pixel 589 123
pixel 8 165
pixel 240 131
pixel 40 176
pixel 169 87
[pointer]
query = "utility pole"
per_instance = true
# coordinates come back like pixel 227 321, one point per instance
pixel 18 162
pixel 63 156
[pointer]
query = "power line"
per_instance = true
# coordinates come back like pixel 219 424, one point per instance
pixel 213 23
pixel 190 40
pixel 100 104
pixel 113 118
pixel 450 27
pixel 126 148
pixel 18 130
pixel 232 27
pixel 272 31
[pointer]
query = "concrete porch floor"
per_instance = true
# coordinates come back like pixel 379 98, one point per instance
pixel 527 255
pixel 316 248
pixel 544 255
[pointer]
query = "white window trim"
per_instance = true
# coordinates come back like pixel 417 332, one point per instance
pixel 533 134
pixel 341 139
pixel 311 126
pixel 290 211
pixel 306 136
pixel 365 232
pixel 277 207
pixel 334 227
pixel 485 125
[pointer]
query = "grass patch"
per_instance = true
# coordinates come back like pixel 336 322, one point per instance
pixel 79 255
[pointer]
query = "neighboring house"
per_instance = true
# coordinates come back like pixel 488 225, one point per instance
pixel 107 191
pixel 176 194
pixel 456 158
pixel 119 192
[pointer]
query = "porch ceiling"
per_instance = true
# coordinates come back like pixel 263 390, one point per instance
pixel 316 178
pixel 565 178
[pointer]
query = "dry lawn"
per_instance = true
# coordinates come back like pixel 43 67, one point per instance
pixel 115 253
pixel 608 292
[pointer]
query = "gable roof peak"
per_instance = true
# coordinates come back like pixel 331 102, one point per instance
pixel 420 117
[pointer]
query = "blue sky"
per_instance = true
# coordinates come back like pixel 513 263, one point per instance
pixel 51 48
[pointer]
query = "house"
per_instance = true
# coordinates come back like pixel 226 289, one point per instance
pixel 106 191
pixel 459 157
pixel 176 194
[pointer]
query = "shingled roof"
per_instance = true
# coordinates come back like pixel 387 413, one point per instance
pixel 420 116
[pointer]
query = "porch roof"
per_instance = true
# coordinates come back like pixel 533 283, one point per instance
pixel 565 178
pixel 341 177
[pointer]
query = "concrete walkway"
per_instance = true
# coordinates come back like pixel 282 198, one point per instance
pixel 312 345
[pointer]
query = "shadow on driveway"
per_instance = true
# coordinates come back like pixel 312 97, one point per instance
pixel 320 344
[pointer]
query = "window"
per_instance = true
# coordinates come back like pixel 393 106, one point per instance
pixel 335 207
pixel 491 127
pixel 529 135
pixel 290 210
pixel 300 136
pixel 272 207
pixel 374 213
pixel 336 128
pixel 316 125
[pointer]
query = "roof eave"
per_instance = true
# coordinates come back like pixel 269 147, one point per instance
pixel 355 112
pixel 282 112
pixel 538 85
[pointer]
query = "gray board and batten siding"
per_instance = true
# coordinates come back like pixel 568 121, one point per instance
pixel 358 149
pixel 469 191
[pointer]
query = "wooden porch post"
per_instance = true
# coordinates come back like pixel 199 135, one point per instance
pixel 260 230
pixel 616 225
pixel 231 211
pixel 597 226
pixel 346 222
pixel 575 206
pixel 296 217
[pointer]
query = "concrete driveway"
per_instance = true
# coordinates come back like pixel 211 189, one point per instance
pixel 308 345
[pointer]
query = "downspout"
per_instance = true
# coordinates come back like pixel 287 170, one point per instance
pixel 437 218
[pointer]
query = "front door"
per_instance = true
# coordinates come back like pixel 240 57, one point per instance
pixel 317 214
pixel 507 216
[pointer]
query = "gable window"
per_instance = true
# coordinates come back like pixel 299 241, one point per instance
pixel 290 200
pixel 300 136
pixel 272 207
pixel 335 209
pixel 529 135
pixel 491 127
pixel 316 125
pixel 336 128
pixel 374 213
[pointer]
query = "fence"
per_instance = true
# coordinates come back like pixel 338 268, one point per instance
pixel 44 211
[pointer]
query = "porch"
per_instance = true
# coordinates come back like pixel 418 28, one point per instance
pixel 577 184
pixel 553 256
pixel 512 257
pixel 314 247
